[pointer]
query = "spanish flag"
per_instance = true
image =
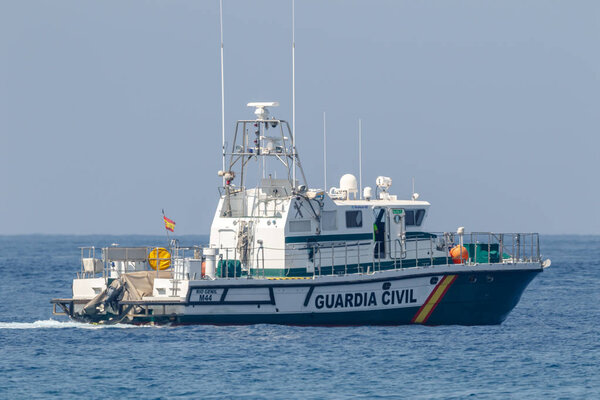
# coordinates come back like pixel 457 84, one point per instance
pixel 169 224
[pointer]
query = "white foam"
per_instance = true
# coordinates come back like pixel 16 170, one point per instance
pixel 52 324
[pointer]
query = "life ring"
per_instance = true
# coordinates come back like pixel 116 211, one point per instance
pixel 160 256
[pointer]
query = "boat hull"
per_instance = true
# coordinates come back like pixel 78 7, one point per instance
pixel 446 295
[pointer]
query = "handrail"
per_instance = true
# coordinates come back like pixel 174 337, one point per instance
pixel 393 253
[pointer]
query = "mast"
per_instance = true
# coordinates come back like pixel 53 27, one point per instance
pixel 293 94
pixel 222 88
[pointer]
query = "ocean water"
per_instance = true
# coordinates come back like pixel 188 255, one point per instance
pixel 549 347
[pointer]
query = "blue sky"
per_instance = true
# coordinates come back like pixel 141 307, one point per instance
pixel 110 111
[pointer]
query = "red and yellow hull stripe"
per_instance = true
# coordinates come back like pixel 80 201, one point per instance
pixel 433 300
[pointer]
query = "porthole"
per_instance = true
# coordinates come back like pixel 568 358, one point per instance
pixel 472 279
pixel 386 286
pixel 489 278
pixel 433 280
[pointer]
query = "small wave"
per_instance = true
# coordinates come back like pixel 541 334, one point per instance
pixel 52 324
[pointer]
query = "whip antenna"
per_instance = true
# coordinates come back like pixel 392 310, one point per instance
pixel 360 158
pixel 222 88
pixel 324 152
pixel 294 93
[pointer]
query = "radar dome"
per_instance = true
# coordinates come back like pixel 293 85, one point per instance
pixel 348 183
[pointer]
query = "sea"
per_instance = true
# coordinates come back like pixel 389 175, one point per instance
pixel 548 347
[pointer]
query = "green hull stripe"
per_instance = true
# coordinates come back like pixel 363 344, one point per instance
pixel 420 235
pixel 328 238
pixel 350 269
pixel 351 236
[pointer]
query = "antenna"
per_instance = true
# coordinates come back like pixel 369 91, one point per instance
pixel 222 88
pixel 324 152
pixel 414 196
pixel 360 158
pixel 294 92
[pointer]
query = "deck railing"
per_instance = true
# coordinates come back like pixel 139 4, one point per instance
pixel 334 258
pixel 365 256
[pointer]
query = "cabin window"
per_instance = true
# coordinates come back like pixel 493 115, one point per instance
pixel 419 215
pixel 329 220
pixel 414 217
pixel 353 219
pixel 299 226
pixel 409 219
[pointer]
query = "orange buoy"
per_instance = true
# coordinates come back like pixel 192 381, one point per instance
pixel 159 257
pixel 459 254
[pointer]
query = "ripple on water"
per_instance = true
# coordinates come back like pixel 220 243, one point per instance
pixel 548 347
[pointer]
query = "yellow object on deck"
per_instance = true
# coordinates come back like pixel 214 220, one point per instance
pixel 160 256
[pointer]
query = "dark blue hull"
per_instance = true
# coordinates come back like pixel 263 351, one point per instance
pixel 487 301
pixel 482 298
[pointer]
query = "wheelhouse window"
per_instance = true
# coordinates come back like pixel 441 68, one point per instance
pixel 419 215
pixel 353 219
pixel 329 220
pixel 414 217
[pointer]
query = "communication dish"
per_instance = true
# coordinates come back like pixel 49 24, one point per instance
pixel 383 183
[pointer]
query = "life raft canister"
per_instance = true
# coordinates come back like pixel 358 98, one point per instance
pixel 459 254
pixel 161 257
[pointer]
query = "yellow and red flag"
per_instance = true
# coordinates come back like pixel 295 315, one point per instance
pixel 169 224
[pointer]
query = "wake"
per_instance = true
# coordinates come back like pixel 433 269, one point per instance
pixel 52 324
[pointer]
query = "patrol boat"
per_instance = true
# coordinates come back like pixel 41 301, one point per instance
pixel 282 252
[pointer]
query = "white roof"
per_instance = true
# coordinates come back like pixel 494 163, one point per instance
pixel 378 202
pixel 263 104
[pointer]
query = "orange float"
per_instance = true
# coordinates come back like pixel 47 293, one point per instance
pixel 459 254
